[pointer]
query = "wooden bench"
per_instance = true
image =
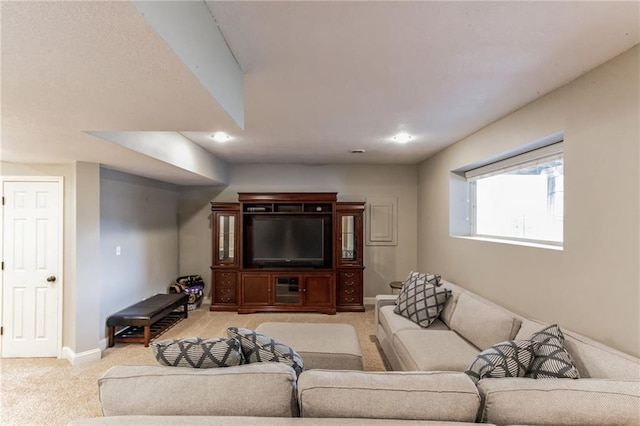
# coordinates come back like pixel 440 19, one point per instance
pixel 147 319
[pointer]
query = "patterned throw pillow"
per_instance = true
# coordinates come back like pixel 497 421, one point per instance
pixel 197 352
pixel 421 300
pixel 415 277
pixel 257 347
pixel 551 358
pixel 505 359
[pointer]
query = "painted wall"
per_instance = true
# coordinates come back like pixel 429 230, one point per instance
pixel 88 272
pixel 593 285
pixel 141 217
pixel 359 182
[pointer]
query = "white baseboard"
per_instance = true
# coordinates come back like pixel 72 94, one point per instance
pixel 369 300
pixel 103 344
pixel 85 357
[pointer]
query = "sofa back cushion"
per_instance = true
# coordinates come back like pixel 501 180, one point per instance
pixel 409 395
pixel 591 358
pixel 483 323
pixel 450 304
pixel 516 401
pixel 264 389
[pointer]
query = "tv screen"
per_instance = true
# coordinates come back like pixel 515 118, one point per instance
pixel 288 241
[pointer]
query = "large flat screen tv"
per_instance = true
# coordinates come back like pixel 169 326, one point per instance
pixel 291 241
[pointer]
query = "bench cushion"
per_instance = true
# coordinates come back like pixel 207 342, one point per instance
pixel 145 311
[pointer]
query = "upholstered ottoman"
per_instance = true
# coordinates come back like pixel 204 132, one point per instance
pixel 326 346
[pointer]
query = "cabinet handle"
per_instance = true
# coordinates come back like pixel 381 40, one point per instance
pixel 225 291
pixel 349 299
pixel 225 299
pixel 349 275
pixel 349 283
pixel 349 291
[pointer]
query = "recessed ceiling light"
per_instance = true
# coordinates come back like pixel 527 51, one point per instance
pixel 220 137
pixel 357 151
pixel 402 137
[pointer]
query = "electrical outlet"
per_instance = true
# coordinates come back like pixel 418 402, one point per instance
pixel 117 250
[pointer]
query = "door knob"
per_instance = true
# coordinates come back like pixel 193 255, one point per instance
pixel 51 279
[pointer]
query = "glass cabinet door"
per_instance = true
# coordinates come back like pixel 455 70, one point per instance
pixel 226 238
pixel 348 251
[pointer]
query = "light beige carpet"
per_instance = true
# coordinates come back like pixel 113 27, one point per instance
pixel 47 391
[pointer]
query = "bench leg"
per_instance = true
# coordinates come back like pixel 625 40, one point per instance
pixel 112 333
pixel 186 309
pixel 147 335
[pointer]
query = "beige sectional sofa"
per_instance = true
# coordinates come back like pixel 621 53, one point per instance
pixel 428 387
pixel 607 393
pixel 270 393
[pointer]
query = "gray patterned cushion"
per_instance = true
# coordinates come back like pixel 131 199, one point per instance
pixel 551 358
pixel 197 352
pixel 257 347
pixel 505 359
pixel 421 300
pixel 415 277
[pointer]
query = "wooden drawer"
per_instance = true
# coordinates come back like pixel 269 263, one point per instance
pixel 349 288
pixel 225 284
pixel 226 295
pixel 349 296
pixel 226 279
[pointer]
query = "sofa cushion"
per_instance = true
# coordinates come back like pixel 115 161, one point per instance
pixel 392 323
pixel 506 359
pixel 482 323
pixel 433 350
pixel 197 352
pixel 551 358
pixel 246 420
pixel 415 395
pixel 256 347
pixel 421 301
pixel 528 327
pixel 450 304
pixel 559 402
pixel 167 391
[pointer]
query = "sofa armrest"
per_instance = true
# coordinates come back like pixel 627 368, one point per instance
pixel 265 389
pixel 565 402
pixel 384 300
pixel 406 395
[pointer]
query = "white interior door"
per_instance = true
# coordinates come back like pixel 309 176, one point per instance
pixel 31 281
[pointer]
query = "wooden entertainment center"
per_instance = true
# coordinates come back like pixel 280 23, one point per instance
pixel 287 252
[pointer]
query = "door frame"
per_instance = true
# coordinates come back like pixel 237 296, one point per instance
pixel 60 181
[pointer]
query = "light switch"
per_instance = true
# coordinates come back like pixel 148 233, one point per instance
pixel 117 250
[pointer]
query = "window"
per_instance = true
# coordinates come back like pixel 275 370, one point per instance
pixel 519 198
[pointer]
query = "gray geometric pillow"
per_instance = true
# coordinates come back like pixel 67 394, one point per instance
pixel 257 347
pixel 415 277
pixel 421 300
pixel 505 359
pixel 551 358
pixel 197 352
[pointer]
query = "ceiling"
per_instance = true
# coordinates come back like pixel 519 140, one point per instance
pixel 320 78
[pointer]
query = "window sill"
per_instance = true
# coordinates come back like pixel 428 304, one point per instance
pixel 512 242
